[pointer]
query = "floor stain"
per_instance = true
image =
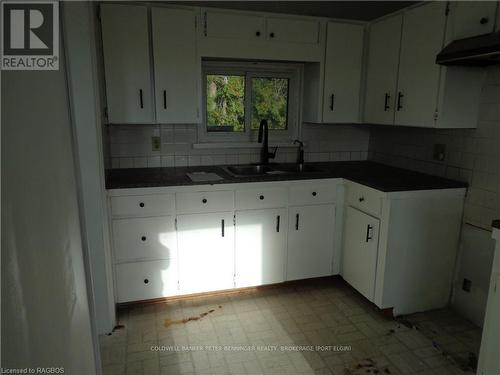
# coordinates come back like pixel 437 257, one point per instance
pixel 170 322
pixel 366 366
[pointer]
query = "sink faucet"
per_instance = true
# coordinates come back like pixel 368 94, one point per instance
pixel 263 138
pixel 300 151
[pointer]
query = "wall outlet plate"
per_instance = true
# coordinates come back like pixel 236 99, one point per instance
pixel 155 143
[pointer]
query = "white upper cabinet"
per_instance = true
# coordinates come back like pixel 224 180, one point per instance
pixel 418 84
pixel 127 63
pixel 343 66
pixel 382 70
pixel 471 18
pixel 288 30
pixel 176 67
pixel 220 24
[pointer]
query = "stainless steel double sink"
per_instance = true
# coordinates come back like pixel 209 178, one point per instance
pixel 270 169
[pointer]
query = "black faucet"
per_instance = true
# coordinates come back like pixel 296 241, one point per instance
pixel 300 151
pixel 263 138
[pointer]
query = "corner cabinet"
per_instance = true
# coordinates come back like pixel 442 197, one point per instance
pixel 399 248
pixel 129 57
pixel 405 86
pixel 125 41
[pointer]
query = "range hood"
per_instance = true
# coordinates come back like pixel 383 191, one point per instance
pixel 479 50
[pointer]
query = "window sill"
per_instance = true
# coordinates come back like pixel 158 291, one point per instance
pixel 208 145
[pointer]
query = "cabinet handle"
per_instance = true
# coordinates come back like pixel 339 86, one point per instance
pixel 204 200
pixel 332 101
pixel 314 193
pixel 361 199
pixel 146 281
pixel 278 223
pixel 297 222
pixel 400 96
pixel 165 99
pixel 141 204
pixel 261 197
pixel 257 33
pixel 141 101
pixel 386 102
pixel 271 35
pixel 484 20
pixel 222 227
pixel 143 238
pixel 368 236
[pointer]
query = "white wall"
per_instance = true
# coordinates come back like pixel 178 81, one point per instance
pixel 45 313
pixel 79 26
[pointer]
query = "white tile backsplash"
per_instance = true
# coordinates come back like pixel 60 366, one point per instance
pixel 131 146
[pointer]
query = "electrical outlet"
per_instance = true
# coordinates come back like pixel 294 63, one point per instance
pixel 439 152
pixel 466 285
pixel 155 143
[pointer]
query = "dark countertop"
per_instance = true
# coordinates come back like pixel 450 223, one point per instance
pixel 496 224
pixel 375 175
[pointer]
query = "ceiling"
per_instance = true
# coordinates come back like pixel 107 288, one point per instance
pixel 352 10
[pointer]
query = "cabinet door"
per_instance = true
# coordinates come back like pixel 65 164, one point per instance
pixel 206 252
pixel 260 246
pixel 418 84
pixel 470 18
pixel 126 52
pixel 287 30
pixel 233 25
pixel 382 70
pixel 343 65
pixel 310 241
pixel 360 251
pixel 176 67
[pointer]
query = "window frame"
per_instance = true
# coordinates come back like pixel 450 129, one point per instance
pixel 291 71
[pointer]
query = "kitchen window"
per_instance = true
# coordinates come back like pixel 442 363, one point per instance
pixel 238 96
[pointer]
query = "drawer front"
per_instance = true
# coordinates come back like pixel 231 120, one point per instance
pixel 364 198
pixel 144 239
pixel 261 198
pixel 146 280
pixel 200 202
pixel 313 194
pixel 142 205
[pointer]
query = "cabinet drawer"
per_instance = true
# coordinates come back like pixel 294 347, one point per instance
pixel 261 198
pixel 364 198
pixel 234 26
pixel 144 239
pixel 142 205
pixel 146 280
pixel 313 194
pixel 209 201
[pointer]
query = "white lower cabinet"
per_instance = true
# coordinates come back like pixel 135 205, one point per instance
pixel 310 241
pixel 146 280
pixel 260 246
pixel 206 252
pixel 360 251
